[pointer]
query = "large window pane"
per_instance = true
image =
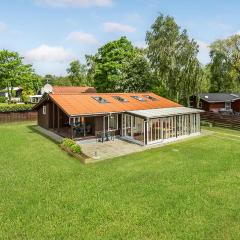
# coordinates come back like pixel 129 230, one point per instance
pixel 113 122
pixel 138 129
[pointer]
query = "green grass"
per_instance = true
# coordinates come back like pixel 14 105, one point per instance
pixel 223 130
pixel 187 190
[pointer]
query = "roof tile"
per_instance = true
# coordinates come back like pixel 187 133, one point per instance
pixel 84 104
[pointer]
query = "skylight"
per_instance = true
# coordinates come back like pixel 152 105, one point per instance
pixel 139 98
pixel 120 99
pixel 100 99
pixel 150 98
pixel 234 95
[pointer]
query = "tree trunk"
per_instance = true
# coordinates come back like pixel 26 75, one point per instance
pixel 9 93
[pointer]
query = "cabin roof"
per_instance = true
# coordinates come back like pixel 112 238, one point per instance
pixel 72 90
pixel 163 112
pixel 219 97
pixel 102 103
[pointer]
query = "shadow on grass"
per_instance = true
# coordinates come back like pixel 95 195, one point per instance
pixel 34 130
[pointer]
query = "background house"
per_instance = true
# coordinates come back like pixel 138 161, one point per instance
pixel 47 88
pixel 17 93
pixel 217 102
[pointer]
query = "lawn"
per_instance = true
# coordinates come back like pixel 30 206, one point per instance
pixel 186 190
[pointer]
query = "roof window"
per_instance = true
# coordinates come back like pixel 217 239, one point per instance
pixel 100 99
pixel 120 99
pixel 139 98
pixel 150 98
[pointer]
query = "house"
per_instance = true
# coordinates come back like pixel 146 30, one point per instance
pixel 47 88
pixel 143 118
pixel 217 102
pixel 17 93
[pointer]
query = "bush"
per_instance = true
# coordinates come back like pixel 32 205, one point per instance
pixel 15 107
pixel 76 148
pixel 69 143
pixel 3 99
pixel 26 94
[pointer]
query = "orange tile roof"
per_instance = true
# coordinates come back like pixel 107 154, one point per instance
pixel 84 104
pixel 71 89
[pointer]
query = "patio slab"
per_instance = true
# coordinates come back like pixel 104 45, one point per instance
pixel 98 151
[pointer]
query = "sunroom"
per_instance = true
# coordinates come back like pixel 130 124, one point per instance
pixel 160 125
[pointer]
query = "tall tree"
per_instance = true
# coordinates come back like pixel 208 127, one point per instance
pixel 13 72
pixel 173 58
pixel 108 64
pixel 119 67
pixel 77 73
pixel 137 76
pixel 225 65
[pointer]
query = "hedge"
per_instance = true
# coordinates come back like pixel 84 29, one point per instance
pixel 15 107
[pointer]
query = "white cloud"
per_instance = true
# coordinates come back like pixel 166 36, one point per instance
pixel 118 27
pixel 82 37
pixel 75 3
pixel 3 27
pixel 140 44
pixel 48 53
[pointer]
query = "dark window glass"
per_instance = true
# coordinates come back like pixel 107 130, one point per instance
pixel 150 98
pixel 100 99
pixel 120 99
pixel 139 98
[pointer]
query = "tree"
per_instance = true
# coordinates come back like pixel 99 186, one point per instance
pixel 119 67
pixel 137 74
pixel 225 65
pixel 56 80
pixel 13 72
pixel 25 95
pixel 77 73
pixel 173 58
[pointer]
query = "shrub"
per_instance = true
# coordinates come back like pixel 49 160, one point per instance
pixel 15 107
pixel 3 99
pixel 76 148
pixel 70 144
pixel 67 142
pixel 26 94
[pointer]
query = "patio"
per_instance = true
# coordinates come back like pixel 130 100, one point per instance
pixel 109 149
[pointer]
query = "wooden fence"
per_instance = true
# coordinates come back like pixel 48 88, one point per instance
pixel 219 120
pixel 18 116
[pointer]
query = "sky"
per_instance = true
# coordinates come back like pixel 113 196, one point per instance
pixel 51 33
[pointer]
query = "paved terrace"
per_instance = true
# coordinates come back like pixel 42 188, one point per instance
pixel 100 151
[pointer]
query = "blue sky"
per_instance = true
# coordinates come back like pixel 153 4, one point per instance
pixel 51 33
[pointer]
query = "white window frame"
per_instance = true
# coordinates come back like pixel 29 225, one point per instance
pixel 44 110
pixel 228 106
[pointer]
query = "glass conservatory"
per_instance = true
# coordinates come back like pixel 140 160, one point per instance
pixel 160 125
